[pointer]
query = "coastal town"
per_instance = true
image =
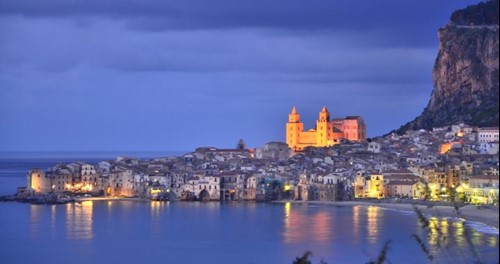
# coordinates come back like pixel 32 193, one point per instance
pixel 457 163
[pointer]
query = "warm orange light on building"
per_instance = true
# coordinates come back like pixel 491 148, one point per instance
pixel 326 132
pixel 445 147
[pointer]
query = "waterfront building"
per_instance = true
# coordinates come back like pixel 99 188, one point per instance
pixel 250 191
pixel 37 182
pixel 177 180
pixel 326 132
pixel 59 179
pixel 483 195
pixel 121 182
pixel 483 181
pixel 232 184
pixel 408 189
pixel 204 188
pixel 369 186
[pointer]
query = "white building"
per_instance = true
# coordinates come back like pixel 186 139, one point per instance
pixel 487 134
pixel 374 147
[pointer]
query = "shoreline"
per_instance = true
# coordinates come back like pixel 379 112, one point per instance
pixel 472 213
pixel 84 199
pixel 468 213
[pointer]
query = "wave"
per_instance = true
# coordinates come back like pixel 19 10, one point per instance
pixel 403 212
pixel 482 228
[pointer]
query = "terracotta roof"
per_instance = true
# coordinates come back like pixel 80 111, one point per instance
pixel 397 177
pixel 400 183
pixel 485 177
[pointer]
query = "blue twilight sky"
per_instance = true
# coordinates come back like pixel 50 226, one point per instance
pixel 174 75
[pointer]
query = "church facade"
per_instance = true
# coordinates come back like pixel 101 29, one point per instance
pixel 326 133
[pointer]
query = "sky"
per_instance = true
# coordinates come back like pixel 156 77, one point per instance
pixel 158 75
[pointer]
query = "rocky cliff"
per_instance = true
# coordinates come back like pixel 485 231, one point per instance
pixel 465 75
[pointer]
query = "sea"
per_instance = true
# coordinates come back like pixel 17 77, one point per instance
pixel 220 232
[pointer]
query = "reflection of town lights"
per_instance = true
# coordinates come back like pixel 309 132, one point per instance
pixel 287 209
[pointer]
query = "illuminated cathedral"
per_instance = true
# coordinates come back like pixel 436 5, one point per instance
pixel 326 133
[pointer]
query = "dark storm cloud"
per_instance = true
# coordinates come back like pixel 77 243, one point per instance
pixel 53 45
pixel 406 19
pixel 147 75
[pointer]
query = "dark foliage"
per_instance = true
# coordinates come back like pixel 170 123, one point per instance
pixel 304 259
pixel 382 257
pixel 484 13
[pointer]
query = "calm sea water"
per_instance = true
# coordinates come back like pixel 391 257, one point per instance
pixel 185 232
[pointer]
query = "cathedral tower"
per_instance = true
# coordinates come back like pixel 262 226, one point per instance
pixel 324 129
pixel 293 129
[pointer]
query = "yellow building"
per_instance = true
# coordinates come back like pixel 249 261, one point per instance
pixel 369 186
pixel 376 187
pixel 326 133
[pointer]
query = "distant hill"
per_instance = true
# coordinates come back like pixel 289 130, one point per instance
pixel 465 74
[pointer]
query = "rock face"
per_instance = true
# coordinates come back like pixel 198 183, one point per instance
pixel 465 75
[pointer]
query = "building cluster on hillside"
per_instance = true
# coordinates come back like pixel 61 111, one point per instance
pixel 449 163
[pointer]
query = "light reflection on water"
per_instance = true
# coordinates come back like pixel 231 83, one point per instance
pixel 493 242
pixel 458 228
pixel 79 220
pixel 301 226
pixel 355 223
pixel 35 219
pixel 455 242
pixel 293 224
pixel 321 230
pixel 53 223
pixel 372 226
pixel 324 230
pixel 157 208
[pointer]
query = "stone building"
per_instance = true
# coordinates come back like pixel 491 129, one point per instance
pixel 37 182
